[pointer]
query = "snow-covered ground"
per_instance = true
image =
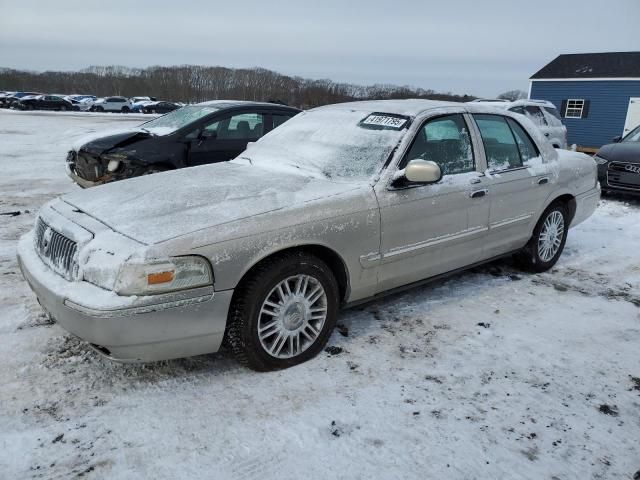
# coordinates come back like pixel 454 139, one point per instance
pixel 491 374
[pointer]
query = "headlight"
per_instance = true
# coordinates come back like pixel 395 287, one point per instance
pixel 600 160
pixel 177 273
pixel 114 160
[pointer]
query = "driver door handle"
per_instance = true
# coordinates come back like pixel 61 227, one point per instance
pixel 479 193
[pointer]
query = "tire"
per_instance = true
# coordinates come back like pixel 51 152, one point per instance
pixel 63 108
pixel 291 335
pixel 125 109
pixel 539 255
pixel 99 109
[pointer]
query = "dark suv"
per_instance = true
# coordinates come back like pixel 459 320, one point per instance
pixel 198 134
pixel 619 164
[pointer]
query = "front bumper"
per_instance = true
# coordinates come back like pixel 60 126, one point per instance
pixel 129 329
pixel 81 181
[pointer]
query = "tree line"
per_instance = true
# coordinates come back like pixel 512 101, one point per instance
pixel 194 83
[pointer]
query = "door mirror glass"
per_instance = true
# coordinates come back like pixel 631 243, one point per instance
pixel 422 171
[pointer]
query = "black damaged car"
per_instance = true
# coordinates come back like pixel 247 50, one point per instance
pixel 193 135
pixel 619 164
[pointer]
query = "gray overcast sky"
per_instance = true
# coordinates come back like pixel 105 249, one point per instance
pixel 463 46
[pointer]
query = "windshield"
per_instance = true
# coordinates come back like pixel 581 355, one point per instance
pixel 177 119
pixel 634 136
pixel 333 143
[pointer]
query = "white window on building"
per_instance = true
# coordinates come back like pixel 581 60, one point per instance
pixel 574 108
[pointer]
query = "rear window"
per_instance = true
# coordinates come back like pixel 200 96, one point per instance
pixel 553 111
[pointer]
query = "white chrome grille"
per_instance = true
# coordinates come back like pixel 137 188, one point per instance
pixel 56 250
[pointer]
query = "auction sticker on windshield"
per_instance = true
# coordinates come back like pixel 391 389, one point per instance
pixel 383 120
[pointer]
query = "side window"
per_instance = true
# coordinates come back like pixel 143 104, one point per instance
pixel 446 141
pixel 519 110
pixel 245 126
pixel 535 115
pixel 500 145
pixel 208 131
pixel 279 119
pixel 526 146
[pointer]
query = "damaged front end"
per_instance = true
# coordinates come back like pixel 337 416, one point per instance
pixel 96 163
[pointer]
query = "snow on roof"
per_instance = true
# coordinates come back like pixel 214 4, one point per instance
pixel 410 107
pixel 592 65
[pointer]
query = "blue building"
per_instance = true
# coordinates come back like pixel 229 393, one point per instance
pixel 597 94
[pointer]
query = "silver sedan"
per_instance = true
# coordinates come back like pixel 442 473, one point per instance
pixel 340 205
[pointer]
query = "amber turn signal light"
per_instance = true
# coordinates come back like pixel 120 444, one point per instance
pixel 159 277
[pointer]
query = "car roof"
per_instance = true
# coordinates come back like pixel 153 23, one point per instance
pixel 410 107
pixel 498 103
pixel 223 104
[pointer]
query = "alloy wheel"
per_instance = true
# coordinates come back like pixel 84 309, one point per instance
pixel 292 316
pixel 551 235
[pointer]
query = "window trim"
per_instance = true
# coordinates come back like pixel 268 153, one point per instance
pixel 486 157
pixel 574 109
pixel 535 145
pixel 404 159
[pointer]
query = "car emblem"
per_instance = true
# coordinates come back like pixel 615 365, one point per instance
pixel 46 240
pixel 632 168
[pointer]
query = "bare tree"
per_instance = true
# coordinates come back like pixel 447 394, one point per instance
pixel 513 95
pixel 196 83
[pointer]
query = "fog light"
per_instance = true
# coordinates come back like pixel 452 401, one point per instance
pixel 113 165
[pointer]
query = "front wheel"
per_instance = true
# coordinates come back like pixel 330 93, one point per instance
pixel 284 313
pixel 548 240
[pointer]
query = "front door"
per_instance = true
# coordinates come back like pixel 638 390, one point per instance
pixel 517 179
pixel 225 138
pixel 432 229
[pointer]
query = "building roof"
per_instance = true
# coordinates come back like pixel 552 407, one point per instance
pixel 592 65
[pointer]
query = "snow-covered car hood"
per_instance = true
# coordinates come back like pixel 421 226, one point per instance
pixel 155 208
pixel 100 144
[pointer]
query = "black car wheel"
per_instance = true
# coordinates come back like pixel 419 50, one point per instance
pixel 125 110
pixel 99 109
pixel 548 240
pixel 63 108
pixel 283 313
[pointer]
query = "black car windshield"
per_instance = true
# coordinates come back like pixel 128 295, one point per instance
pixel 333 143
pixel 177 119
pixel 634 136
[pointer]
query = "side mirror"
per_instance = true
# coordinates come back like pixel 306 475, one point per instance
pixel 423 171
pixel 617 139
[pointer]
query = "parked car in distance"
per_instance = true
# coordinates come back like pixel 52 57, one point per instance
pixel 45 102
pixel 339 205
pixel 111 104
pixel 619 164
pixel 159 107
pixel 141 99
pixel 542 113
pixel 137 106
pixel 207 132
pixel 13 100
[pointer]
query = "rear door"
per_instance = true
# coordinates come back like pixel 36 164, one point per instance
pixel 517 179
pixel 226 137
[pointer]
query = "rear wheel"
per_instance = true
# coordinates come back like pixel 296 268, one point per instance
pixel 548 240
pixel 125 109
pixel 284 313
pixel 63 108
